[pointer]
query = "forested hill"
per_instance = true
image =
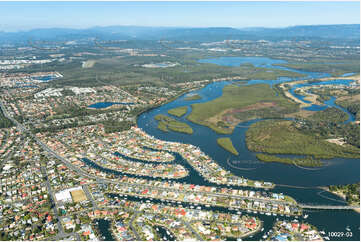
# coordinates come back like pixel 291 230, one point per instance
pixel 329 32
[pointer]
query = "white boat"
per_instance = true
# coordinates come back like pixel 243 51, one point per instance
pixel 239 213
pixel 348 228
pixel 207 205
pixel 326 238
pixel 198 207
pixel 168 232
pixel 305 216
pixel 262 229
pixel 268 214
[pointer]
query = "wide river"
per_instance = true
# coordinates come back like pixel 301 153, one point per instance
pixel 301 184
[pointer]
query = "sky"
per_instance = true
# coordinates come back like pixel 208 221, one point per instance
pixel 15 16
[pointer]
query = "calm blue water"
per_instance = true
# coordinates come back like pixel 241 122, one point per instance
pixel 328 103
pixel 297 182
pixel 348 74
pixel 265 63
pixel 104 229
pixel 106 104
pixel 237 61
pixel 44 78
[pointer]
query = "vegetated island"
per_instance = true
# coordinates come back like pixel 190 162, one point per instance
pixel 167 123
pixel 192 97
pixel 179 112
pixel 349 192
pixel 226 143
pixel 282 137
pixel 307 161
pixel 239 104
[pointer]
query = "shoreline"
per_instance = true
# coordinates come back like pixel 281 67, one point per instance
pixel 339 195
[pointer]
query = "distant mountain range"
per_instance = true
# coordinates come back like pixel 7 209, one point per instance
pixel 323 32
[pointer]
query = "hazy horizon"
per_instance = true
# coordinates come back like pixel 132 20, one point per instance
pixel 106 26
pixel 24 16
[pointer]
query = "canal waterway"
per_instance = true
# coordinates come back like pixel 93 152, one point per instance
pixel 301 184
pixel 103 227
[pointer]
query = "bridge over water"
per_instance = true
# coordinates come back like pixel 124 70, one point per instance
pixel 331 207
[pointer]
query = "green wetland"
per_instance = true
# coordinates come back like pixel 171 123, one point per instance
pixel 300 182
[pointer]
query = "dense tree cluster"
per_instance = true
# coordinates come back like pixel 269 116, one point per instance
pixel 111 126
pixel 5 122
pixel 351 191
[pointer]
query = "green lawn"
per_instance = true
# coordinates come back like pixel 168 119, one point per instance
pixel 281 137
pixel 226 143
pixel 167 123
pixel 179 112
pixel 245 103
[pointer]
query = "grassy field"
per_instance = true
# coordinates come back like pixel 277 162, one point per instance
pixel 226 143
pixel 240 104
pixel 281 137
pixel 179 112
pixel 193 97
pixel 167 123
pixel 308 162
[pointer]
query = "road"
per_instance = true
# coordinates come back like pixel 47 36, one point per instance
pixel 132 227
pixel 61 232
pixel 90 197
pixel 191 229
pixel 327 207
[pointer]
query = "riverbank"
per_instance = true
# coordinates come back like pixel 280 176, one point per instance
pixel 166 123
pixel 283 137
